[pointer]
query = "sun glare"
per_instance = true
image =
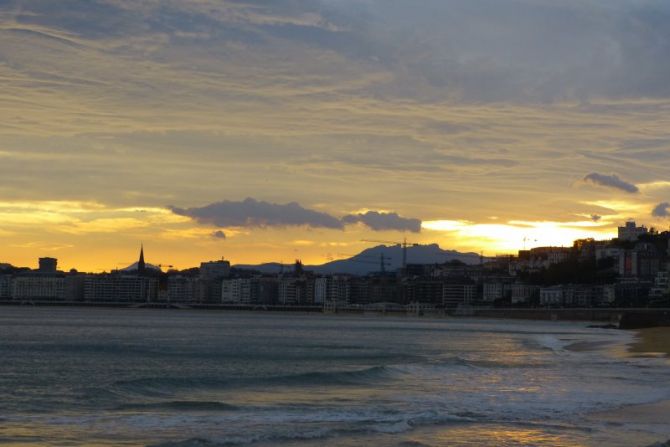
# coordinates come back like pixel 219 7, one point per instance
pixel 516 235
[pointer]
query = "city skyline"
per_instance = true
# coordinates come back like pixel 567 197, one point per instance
pixel 630 270
pixel 300 129
pixel 388 256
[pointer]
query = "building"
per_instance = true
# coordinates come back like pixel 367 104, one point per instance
pixel 424 291
pixel 608 252
pixel 332 289
pixel 359 291
pixel 321 295
pixel 579 295
pixel 237 291
pixel 539 258
pixel 631 232
pixel 181 289
pixel 74 286
pixel 633 292
pixel 661 288
pixel 454 295
pixel 524 293
pixel 604 295
pixel 296 291
pixel 120 288
pixel 383 289
pixel 643 261
pixel 38 288
pixel 495 291
pixel 214 270
pixel 265 291
pixel 585 248
pixel 551 296
pixel 209 281
pixel 5 287
pixel 48 265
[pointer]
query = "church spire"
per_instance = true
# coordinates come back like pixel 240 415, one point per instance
pixel 141 265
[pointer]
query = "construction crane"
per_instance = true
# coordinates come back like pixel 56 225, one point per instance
pixel 404 244
pixel 160 266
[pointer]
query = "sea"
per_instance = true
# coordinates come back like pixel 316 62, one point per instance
pixel 182 378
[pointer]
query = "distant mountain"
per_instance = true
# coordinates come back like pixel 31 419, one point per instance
pixel 369 260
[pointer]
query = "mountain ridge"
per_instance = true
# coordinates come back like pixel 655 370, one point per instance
pixel 369 260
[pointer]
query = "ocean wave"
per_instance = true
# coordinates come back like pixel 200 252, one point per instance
pixel 157 386
pixel 180 405
pixel 375 375
pixel 364 426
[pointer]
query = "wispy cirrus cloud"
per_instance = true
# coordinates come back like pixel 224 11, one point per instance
pixel 430 108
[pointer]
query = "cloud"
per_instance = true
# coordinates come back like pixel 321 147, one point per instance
pixel 486 50
pixel 384 221
pixel 218 235
pixel 611 181
pixel 254 213
pixel 661 210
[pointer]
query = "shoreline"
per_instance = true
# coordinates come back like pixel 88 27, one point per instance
pixel 650 317
pixel 651 342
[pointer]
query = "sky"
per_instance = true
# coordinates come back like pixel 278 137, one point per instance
pixel 273 130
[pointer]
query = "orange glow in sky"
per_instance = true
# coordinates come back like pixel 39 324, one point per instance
pixel 158 123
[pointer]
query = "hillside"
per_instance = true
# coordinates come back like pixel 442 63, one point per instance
pixel 369 260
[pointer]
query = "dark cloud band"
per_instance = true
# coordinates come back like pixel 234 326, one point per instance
pixel 384 221
pixel 254 213
pixel 661 210
pixel 260 214
pixel 611 181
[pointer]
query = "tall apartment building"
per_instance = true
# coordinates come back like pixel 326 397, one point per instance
pixel 237 291
pixel 38 287
pixel 524 293
pixel 423 291
pixel 332 289
pixel 631 232
pixel 116 288
pixel 454 295
pixel 209 282
pixel 293 290
pixel 5 287
pixel 181 289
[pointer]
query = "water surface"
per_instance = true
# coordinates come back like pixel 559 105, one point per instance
pixel 80 376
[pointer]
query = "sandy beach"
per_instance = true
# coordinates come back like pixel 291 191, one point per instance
pixel 652 342
pixel 652 418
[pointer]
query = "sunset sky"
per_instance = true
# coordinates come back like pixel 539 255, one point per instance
pixel 273 130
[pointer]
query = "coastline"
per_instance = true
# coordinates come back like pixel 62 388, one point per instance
pixel 651 342
pixel 446 420
pixel 606 318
